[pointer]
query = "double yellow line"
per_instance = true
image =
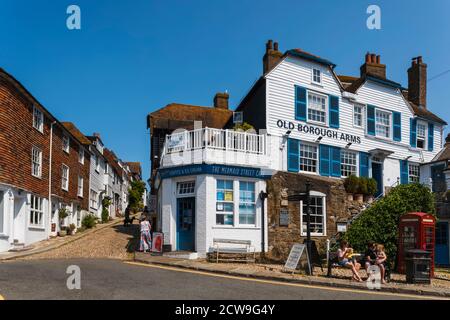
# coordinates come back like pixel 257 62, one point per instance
pixel 374 293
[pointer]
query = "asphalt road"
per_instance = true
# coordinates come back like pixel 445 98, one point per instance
pixel 114 279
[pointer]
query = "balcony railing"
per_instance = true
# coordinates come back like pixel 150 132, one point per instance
pixel 218 141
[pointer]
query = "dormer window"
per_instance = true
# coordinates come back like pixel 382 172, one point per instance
pixel 316 76
pixel 66 143
pixel 38 119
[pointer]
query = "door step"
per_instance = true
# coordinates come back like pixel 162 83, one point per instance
pixel 19 247
pixel 188 255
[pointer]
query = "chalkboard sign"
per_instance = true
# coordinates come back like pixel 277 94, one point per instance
pixel 294 257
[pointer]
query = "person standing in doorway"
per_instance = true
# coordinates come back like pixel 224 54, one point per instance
pixel 146 238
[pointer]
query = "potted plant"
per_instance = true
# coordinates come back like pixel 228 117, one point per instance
pixel 351 186
pixel 71 229
pixel 372 188
pixel 63 213
pixel 361 190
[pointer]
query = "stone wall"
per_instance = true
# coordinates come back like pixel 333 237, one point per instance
pixel 338 209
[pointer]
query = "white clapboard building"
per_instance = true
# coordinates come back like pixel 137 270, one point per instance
pixel 309 120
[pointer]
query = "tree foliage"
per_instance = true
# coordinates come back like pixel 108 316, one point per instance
pixel 106 202
pixel 135 194
pixel 379 223
pixel 245 126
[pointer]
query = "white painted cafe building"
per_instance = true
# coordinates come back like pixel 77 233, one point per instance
pixel 308 120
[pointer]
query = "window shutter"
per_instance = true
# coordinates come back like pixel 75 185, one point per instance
pixel 334 111
pixel 370 120
pixel 363 164
pixel 300 103
pixel 404 173
pixel 413 132
pixel 430 137
pixel 324 160
pixel 397 126
pixel 293 157
pixel 335 161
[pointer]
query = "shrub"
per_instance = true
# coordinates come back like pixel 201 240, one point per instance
pixel 351 184
pixel 89 221
pixel 362 186
pixel 106 202
pixel 379 223
pixel 372 187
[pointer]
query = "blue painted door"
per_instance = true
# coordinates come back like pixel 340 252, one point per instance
pixel 186 224
pixel 377 174
pixel 442 244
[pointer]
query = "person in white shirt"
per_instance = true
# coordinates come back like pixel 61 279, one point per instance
pixel 146 238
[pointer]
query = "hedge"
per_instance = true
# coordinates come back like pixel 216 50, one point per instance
pixel 379 223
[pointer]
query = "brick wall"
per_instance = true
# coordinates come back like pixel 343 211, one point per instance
pixel 17 138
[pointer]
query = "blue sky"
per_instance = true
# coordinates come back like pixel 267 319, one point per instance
pixel 132 57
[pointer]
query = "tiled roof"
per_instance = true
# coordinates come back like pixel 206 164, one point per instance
pixel 424 113
pixel 135 167
pixel 111 158
pixel 176 115
pixel 76 133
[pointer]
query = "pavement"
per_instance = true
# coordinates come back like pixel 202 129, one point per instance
pixel 260 273
pixel 127 280
pixel 57 242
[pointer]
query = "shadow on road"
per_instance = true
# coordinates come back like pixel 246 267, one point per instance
pixel 133 232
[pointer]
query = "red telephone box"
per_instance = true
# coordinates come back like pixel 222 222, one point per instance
pixel 416 231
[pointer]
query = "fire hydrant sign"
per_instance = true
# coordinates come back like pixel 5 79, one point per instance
pixel 294 257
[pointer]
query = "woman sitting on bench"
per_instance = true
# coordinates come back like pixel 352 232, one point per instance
pixel 344 253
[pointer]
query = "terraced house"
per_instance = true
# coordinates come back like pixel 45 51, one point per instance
pixel 312 124
pixel 47 165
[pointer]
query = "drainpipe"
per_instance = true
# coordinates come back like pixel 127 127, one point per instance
pixel 50 179
pixel 263 196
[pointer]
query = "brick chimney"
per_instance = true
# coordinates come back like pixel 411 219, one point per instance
pixel 417 82
pixel 372 66
pixel 96 134
pixel 221 100
pixel 271 57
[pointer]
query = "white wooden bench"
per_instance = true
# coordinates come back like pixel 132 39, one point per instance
pixel 234 247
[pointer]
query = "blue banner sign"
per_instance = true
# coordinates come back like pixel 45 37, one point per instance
pixel 214 169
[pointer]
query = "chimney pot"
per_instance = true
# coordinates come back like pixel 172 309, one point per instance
pixel 373 58
pixel 419 59
pixel 373 66
pixel 367 57
pixel 275 46
pixel 378 59
pixel 269 45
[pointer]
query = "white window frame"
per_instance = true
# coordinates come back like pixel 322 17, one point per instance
pixel 65 179
pixel 38 119
pixel 322 96
pixel 302 145
pixel 233 202
pixel 36 160
pixel 247 202
pixel 425 138
pixel 97 164
pixel 363 109
pixel 410 165
pixel 66 143
pixel 238 117
pixel 36 217
pixel 81 155
pixel 313 76
pixel 186 188
pixel 93 202
pixel 389 126
pixel 80 186
pixel 355 165
pixel 324 208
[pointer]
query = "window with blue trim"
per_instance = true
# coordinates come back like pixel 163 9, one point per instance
pixel 224 202
pixel 317 107
pixel 247 203
pixel 421 135
pixel 308 158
